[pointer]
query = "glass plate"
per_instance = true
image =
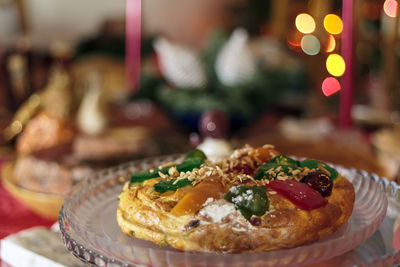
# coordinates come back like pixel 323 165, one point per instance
pixel 90 231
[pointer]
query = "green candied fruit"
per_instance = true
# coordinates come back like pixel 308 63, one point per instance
pixel 164 186
pixel 284 160
pixel 249 200
pixel 264 171
pixel 315 164
pixel 143 175
pixel 189 164
pixel 196 153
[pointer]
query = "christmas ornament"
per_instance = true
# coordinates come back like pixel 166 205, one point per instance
pixel 180 66
pixel 235 63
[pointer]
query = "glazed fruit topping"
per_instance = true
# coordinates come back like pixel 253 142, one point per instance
pixel 171 185
pixel 193 159
pixel 255 221
pixel 319 181
pixel 244 168
pixel 194 200
pixel 249 200
pixel 321 166
pixel 283 160
pixel 300 194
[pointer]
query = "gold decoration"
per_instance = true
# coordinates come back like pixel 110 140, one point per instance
pixel 23 115
pixel 56 96
pixel 55 99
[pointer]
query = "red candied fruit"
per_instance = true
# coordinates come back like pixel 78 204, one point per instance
pixel 302 195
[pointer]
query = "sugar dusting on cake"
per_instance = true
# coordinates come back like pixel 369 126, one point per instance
pixel 217 210
pixel 222 211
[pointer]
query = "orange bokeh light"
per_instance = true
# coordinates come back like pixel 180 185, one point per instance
pixel 331 44
pixel 333 24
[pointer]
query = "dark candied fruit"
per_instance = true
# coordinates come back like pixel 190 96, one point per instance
pixel 193 224
pixel 319 181
pixel 255 221
pixel 244 168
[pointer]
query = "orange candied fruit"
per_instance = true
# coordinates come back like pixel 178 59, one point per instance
pixel 264 153
pixel 193 201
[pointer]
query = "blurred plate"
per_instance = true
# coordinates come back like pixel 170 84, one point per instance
pixel 370 116
pixel 46 205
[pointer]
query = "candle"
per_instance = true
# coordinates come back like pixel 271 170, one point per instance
pixel 346 95
pixel 390 44
pixel 133 42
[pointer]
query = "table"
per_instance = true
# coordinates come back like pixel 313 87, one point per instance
pixel 14 216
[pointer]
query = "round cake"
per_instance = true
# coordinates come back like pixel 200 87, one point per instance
pixel 253 200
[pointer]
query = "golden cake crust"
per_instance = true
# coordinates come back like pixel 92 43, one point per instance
pixel 146 214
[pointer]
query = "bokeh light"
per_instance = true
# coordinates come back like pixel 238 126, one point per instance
pixel 305 23
pixel 294 39
pixel 390 8
pixel 310 45
pixel 331 44
pixel 333 24
pixel 330 86
pixel 335 65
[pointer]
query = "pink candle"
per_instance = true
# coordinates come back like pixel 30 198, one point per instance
pixel 346 95
pixel 133 41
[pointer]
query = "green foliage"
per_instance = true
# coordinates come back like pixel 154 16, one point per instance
pixel 243 101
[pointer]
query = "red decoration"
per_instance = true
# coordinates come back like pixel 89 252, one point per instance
pixel 298 193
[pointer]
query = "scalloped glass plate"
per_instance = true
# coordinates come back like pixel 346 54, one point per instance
pixel 90 231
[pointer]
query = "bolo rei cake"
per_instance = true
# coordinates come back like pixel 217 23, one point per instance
pixel 253 200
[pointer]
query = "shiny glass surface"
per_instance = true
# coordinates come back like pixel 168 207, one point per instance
pixel 90 231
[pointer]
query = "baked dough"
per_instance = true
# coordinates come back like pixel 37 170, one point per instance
pixel 218 226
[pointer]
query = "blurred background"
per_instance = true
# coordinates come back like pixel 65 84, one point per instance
pixel 219 74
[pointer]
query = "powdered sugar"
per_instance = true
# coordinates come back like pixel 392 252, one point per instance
pixel 239 229
pixel 218 210
pixel 208 201
pixel 248 195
